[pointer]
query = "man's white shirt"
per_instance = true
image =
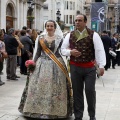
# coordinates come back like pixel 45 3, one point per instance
pixel 100 56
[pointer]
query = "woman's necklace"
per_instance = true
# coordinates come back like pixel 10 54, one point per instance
pixel 49 39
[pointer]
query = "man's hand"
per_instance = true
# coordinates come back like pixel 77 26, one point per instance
pixel 101 71
pixel 75 53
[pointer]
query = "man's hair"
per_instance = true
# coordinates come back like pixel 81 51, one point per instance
pixel 105 32
pixel 23 32
pixel 24 28
pixel 85 18
pixel 10 31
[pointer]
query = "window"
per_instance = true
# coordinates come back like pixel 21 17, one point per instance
pixel 45 6
pixel 70 19
pixel 66 18
pixel 45 18
pixel 70 5
pixel 58 5
pixel 73 5
pixel 98 0
pixel 67 5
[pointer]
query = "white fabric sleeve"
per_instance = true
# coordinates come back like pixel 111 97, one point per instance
pixel 65 50
pixel 100 55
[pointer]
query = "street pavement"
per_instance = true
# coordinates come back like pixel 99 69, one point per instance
pixel 107 103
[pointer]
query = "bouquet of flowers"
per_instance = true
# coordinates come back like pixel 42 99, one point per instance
pixel 30 64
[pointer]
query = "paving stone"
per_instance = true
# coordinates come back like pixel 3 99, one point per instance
pixel 107 102
pixel 8 117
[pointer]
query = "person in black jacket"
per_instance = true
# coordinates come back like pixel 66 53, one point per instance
pixel 114 42
pixel 107 45
pixel 27 42
pixel 11 48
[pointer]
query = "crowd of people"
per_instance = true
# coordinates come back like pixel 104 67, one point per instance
pixel 50 93
pixel 112 49
pixel 17 44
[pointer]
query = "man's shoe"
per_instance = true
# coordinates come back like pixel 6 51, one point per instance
pixel 2 83
pixel 78 119
pixel 17 76
pixel 1 73
pixel 13 79
pixel 25 73
pixel 92 118
pixel 8 77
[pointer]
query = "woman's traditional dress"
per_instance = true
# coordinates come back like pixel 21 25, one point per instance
pixel 47 92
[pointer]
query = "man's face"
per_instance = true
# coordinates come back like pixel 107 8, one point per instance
pixel 79 22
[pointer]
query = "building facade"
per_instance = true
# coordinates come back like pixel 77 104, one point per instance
pixel 112 14
pixel 68 10
pixel 14 13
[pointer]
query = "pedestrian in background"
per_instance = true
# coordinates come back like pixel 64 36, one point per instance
pixel 17 36
pixel 11 45
pixel 114 42
pixel 84 47
pixel 107 46
pixel 47 96
pixel 27 42
pixel 2 49
pixel 34 36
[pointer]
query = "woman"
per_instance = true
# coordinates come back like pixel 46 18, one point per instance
pixel 34 36
pixel 17 36
pixel 47 95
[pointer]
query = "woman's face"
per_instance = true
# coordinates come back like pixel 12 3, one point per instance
pixel 50 27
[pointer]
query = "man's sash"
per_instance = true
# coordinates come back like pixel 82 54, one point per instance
pixel 59 64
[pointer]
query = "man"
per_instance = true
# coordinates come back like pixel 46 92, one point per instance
pixel 114 42
pixel 84 47
pixel 27 42
pixel 11 45
pixel 107 46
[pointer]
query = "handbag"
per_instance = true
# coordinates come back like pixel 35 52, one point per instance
pixel 30 55
pixel 112 53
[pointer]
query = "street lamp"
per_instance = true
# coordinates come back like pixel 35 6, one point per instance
pixel 31 5
pixel 58 16
pixel 30 10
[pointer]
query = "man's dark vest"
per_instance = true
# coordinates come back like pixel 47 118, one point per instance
pixel 84 45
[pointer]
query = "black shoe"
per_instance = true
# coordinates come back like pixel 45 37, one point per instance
pixel 106 69
pixel 25 73
pixel 13 79
pixel 1 73
pixel 78 119
pixel 8 77
pixel 2 83
pixel 21 72
pixel 17 76
pixel 92 118
pixel 113 67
